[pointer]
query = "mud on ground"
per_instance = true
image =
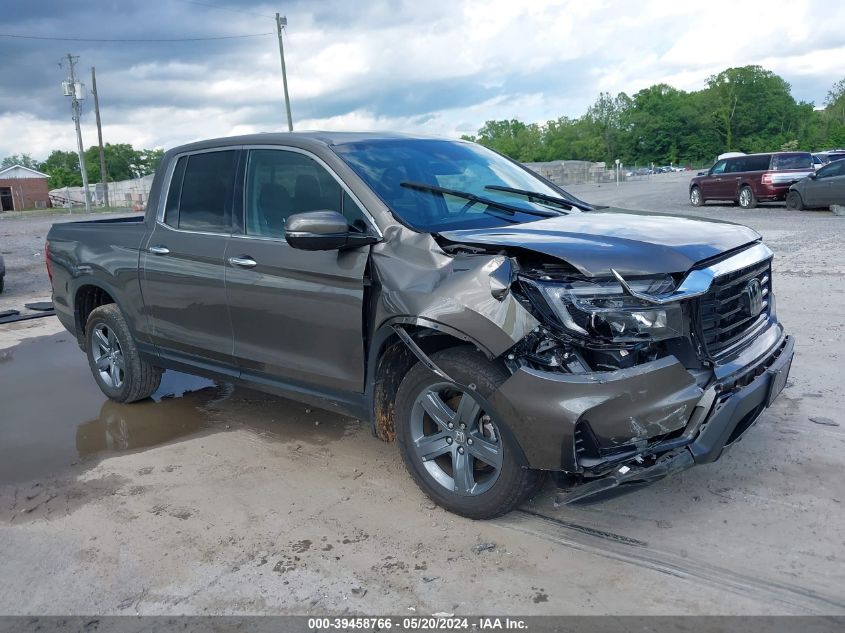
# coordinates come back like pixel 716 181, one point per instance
pixel 211 499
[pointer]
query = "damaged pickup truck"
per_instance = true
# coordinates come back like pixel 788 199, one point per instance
pixel 491 323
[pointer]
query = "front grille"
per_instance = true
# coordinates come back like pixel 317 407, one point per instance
pixel 723 319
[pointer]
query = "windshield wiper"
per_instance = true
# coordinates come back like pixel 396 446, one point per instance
pixel 566 202
pixel 466 195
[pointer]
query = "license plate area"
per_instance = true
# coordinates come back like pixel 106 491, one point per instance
pixel 777 380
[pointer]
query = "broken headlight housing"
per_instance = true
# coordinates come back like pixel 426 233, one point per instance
pixel 602 310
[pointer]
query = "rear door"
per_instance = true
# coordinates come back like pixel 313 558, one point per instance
pixel 183 275
pixel 297 315
pixel 734 174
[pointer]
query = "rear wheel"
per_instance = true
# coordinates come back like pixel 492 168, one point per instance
pixel 746 198
pixel 459 454
pixel 113 357
pixel 695 198
pixel 794 201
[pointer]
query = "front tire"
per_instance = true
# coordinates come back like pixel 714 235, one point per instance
pixel 114 359
pixel 458 454
pixel 746 198
pixel 695 198
pixel 794 201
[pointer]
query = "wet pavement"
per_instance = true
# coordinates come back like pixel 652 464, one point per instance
pixel 54 415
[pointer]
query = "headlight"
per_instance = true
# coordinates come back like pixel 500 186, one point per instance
pixel 602 310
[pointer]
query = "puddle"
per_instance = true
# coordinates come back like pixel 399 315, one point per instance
pixel 53 415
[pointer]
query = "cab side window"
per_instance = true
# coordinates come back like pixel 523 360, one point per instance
pixel 200 193
pixel 719 168
pixel 280 183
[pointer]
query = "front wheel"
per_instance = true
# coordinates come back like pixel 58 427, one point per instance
pixel 746 198
pixel 794 201
pixel 695 198
pixel 460 455
pixel 113 357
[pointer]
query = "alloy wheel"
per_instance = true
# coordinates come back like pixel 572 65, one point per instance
pixel 457 442
pixel 695 197
pixel 108 356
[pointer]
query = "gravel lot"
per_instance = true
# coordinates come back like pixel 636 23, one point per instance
pixel 221 500
pixel 22 248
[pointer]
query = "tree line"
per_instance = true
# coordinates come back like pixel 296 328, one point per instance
pixel 747 109
pixel 123 162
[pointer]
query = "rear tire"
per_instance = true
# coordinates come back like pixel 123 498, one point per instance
pixel 472 471
pixel 695 198
pixel 114 359
pixel 794 201
pixel 746 198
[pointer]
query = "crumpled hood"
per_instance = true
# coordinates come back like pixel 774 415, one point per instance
pixel 631 242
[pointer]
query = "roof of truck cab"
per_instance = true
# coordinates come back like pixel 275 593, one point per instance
pixel 302 139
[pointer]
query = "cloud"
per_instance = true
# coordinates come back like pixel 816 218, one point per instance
pixel 440 67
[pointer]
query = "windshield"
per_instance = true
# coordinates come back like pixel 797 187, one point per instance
pixel 465 168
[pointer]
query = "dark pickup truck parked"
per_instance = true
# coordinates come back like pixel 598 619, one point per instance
pixel 490 322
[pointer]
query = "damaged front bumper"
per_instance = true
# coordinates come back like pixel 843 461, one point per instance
pixel 642 423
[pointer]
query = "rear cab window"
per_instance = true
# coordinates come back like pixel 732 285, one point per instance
pixel 200 196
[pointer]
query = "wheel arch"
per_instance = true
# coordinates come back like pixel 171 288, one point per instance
pixel 89 295
pixel 390 359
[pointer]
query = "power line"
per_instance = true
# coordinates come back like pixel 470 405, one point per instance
pixel 215 6
pixel 132 39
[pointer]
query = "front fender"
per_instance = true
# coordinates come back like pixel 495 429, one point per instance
pixel 418 281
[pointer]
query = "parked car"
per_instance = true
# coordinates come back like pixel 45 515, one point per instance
pixel 819 190
pixel 493 324
pixel 830 155
pixel 820 160
pixel 750 179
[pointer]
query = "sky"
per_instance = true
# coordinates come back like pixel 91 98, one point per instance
pixel 440 67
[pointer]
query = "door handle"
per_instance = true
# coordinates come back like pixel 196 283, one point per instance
pixel 243 261
pixel 159 250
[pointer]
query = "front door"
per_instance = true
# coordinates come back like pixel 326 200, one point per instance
pixel 713 186
pixel 828 187
pixel 297 316
pixel 182 263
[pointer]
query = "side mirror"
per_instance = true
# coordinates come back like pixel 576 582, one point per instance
pixel 813 176
pixel 323 231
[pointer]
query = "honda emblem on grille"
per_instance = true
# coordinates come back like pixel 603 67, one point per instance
pixel 752 298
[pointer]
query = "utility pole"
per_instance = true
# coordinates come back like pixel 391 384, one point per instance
pixel 104 179
pixel 282 22
pixel 74 90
